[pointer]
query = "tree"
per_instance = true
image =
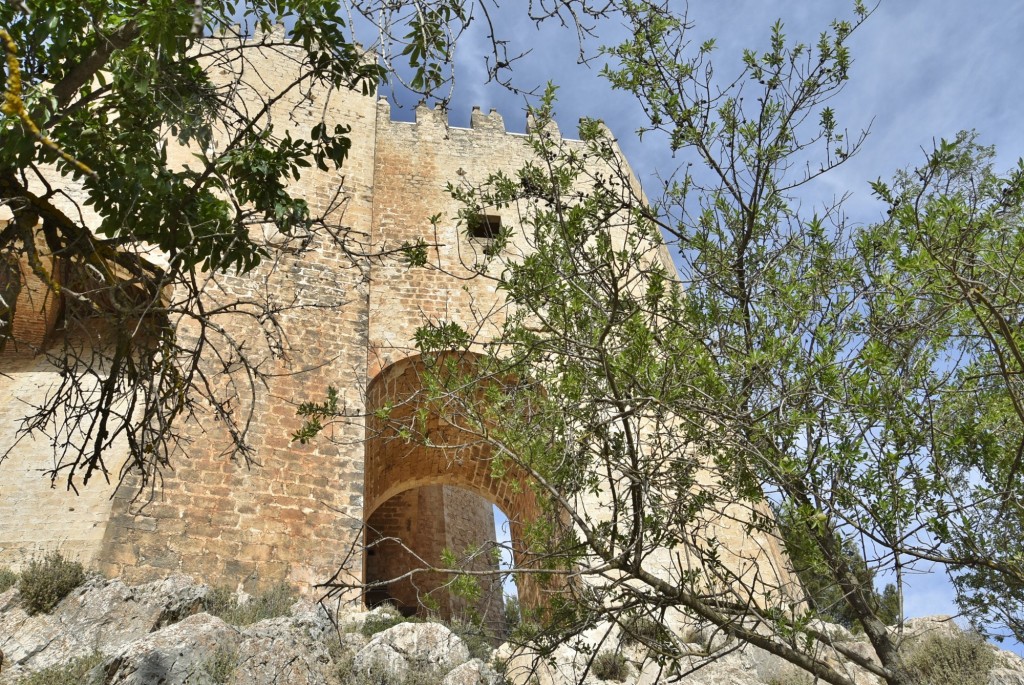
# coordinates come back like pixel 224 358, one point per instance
pixel 102 101
pixel 863 379
pixel 97 97
pixel 866 379
pixel 821 592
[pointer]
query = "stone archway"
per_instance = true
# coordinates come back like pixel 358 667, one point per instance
pixel 420 450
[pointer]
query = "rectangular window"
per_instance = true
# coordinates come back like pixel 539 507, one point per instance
pixel 485 228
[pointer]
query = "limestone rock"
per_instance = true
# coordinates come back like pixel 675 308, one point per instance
pixel 722 673
pixel 426 646
pixel 473 672
pixel 201 648
pixel 100 616
pixel 381 662
pixel 149 637
pixel 284 651
pixel 1009 661
pixel 1005 676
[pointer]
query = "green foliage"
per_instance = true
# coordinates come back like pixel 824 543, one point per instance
pixel 888 603
pixel 43 584
pixel 103 100
pixel 466 587
pixel 315 414
pixel 866 380
pixel 149 66
pixel 415 253
pixel 8 579
pixel 526 632
pixel 949 659
pixel 441 336
pixel 610 665
pixel 384 619
pixel 960 240
pixel 72 673
pixel 513 612
pixel 819 579
pixel 479 642
pixel 271 603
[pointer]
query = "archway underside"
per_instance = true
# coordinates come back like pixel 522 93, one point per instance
pixel 419 449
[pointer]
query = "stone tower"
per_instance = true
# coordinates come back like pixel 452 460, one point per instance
pixel 296 512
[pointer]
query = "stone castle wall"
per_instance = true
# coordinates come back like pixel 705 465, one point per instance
pixel 37 514
pixel 295 512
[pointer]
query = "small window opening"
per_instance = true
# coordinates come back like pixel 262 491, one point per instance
pixel 485 226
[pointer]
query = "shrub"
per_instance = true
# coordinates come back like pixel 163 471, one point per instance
pixel 221 665
pixel 513 612
pixel 219 601
pixel 949 659
pixel 381 621
pixel 475 636
pixel 610 666
pixel 44 583
pixel 8 579
pixel 383 676
pixel 525 632
pixel 72 673
pixel 642 630
pixel 275 601
pixel 341 656
pixel 424 676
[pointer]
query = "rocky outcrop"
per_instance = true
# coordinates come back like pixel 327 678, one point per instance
pixel 100 616
pixel 473 672
pixel 158 634
pixel 185 652
pixel 428 647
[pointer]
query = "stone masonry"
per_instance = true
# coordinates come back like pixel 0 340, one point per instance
pixel 296 513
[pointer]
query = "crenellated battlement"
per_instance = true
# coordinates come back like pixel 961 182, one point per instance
pixel 438 116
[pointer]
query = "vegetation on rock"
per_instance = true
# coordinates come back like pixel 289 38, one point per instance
pixel 271 603
pixel 72 673
pixel 44 583
pixel 609 665
pixel 8 579
pixel 950 658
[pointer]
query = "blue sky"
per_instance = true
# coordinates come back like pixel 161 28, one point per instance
pixel 922 70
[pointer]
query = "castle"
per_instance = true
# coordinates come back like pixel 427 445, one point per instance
pixel 296 513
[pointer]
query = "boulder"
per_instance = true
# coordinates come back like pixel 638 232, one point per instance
pixel 379 662
pixel 201 648
pixel 473 672
pixel 423 646
pixel 285 651
pixel 100 616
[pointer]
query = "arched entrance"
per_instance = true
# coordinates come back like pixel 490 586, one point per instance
pixel 430 482
pixel 421 526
